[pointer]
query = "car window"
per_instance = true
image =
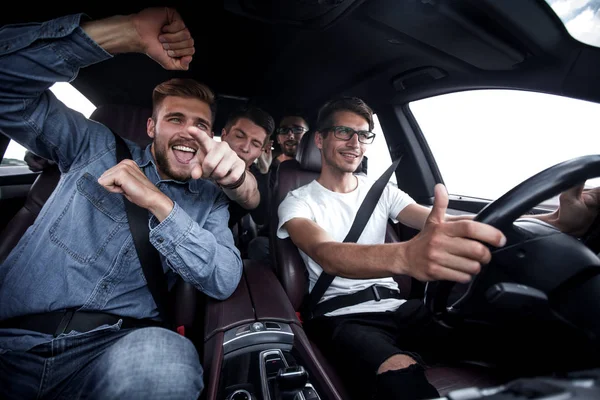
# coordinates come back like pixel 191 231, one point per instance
pixel 378 154
pixel 581 18
pixel 71 97
pixel 485 142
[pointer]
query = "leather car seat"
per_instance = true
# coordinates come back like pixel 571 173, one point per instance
pixel 292 273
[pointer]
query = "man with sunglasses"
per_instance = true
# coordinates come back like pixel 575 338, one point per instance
pixel 367 340
pixel 291 129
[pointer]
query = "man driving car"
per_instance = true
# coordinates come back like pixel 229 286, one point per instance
pixel 372 341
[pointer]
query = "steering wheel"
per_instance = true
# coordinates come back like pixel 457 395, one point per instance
pixel 538 260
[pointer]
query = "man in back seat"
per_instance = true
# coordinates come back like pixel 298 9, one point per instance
pixel 246 131
pixel 289 134
pixel 77 318
pixel 366 338
pixel 292 126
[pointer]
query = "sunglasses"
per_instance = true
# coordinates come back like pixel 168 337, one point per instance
pixel 296 130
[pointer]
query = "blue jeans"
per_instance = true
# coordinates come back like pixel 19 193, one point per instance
pixel 145 363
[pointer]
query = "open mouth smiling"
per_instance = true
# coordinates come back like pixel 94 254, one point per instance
pixel 183 154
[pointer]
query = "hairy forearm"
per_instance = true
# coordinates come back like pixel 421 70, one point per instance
pixel 114 34
pixel 247 195
pixel 357 261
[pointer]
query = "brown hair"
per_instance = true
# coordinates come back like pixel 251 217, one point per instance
pixel 183 87
pixel 257 115
pixel 351 104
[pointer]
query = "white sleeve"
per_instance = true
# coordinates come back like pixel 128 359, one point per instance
pixel 292 207
pixel 396 200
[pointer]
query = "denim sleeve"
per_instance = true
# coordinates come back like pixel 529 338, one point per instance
pixel 205 256
pixel 32 58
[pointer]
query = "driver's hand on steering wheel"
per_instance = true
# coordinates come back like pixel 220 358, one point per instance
pixel 450 249
pixel 577 210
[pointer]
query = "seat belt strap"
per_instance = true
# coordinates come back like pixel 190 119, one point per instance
pixel 148 255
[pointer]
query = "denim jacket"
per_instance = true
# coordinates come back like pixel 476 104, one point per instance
pixel 79 253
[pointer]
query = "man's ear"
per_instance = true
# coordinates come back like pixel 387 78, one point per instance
pixel 223 133
pixel 151 127
pixel 319 140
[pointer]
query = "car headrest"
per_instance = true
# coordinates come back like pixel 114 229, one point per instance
pixel 309 155
pixel 126 121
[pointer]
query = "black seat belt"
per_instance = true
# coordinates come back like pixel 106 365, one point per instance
pixel 360 220
pixel 147 254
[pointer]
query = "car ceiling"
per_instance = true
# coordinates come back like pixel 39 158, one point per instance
pixel 298 53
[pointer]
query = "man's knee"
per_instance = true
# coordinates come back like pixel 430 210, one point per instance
pixel 404 383
pixel 150 363
pixel 396 362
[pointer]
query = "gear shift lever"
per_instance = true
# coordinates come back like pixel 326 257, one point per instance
pixel 290 382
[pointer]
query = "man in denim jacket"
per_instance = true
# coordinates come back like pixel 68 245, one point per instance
pixel 79 254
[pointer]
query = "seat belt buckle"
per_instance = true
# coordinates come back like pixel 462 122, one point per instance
pixel 376 293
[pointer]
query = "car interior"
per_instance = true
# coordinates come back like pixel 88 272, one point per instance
pixel 296 54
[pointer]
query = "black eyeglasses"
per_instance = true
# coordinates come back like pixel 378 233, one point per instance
pixel 345 133
pixel 296 130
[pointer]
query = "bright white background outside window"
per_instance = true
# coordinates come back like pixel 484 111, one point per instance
pixel 485 142
pixel 581 18
pixel 71 97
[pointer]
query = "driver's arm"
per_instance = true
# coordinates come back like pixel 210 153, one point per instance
pixel 349 260
pixel 441 251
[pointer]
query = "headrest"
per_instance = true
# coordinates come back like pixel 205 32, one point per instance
pixel 126 121
pixel 309 155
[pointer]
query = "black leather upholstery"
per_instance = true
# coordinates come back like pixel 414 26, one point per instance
pixel 40 190
pixel 308 154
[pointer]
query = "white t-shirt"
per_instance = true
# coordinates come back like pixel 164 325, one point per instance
pixel 335 212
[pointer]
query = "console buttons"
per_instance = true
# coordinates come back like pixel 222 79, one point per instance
pixel 310 393
pixel 273 325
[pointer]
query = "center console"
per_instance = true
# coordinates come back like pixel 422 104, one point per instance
pixel 255 347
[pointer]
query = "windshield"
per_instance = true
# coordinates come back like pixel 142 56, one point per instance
pixel 581 18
